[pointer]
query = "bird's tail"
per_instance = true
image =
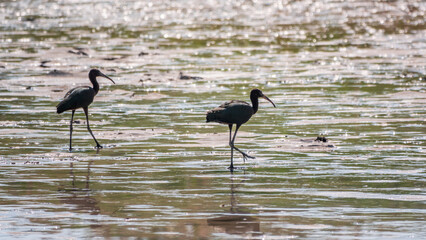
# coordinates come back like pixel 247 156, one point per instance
pixel 62 107
pixel 212 116
pixel 208 119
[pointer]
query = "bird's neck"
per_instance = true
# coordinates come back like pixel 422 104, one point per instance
pixel 95 83
pixel 254 103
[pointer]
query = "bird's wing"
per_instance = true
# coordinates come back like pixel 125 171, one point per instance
pixel 76 98
pixel 235 111
pixel 225 105
pixel 75 89
pixel 233 103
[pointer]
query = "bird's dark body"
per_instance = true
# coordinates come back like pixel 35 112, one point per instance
pixel 75 98
pixel 233 112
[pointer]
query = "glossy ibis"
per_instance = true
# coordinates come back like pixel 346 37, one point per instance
pixel 81 97
pixel 236 112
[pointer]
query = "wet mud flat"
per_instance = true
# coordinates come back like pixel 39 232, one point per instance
pixel 342 156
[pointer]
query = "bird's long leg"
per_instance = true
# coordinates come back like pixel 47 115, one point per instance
pixel 245 155
pixel 231 168
pixel 86 111
pixel 72 119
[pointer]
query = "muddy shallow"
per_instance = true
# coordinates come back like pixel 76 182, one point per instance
pixel 351 72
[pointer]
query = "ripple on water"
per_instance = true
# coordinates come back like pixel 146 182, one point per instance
pixel 352 72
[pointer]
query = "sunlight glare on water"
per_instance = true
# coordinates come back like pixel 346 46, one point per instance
pixel 350 71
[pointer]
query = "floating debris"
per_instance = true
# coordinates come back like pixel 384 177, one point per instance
pixel 311 143
pixel 29 18
pixel 187 77
pixel 78 51
pixel 43 64
pixel 321 139
pixel 143 54
pixel 55 72
pixel 110 58
pixel 114 58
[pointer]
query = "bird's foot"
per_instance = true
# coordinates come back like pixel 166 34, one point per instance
pixel 70 149
pixel 246 156
pixel 231 168
pixel 98 146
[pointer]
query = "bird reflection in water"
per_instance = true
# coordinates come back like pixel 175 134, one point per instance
pixel 80 197
pixel 238 220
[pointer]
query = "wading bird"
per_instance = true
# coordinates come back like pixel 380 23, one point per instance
pixel 236 112
pixel 81 97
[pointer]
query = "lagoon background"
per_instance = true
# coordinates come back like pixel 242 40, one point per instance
pixel 353 71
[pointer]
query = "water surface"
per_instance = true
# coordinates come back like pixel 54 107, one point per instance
pixel 353 72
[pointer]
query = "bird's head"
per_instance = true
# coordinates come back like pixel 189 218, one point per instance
pixel 96 73
pixel 256 93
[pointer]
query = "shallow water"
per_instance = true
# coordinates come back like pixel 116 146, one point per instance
pixel 353 72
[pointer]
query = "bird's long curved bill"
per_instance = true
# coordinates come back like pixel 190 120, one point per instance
pixel 105 76
pixel 265 97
